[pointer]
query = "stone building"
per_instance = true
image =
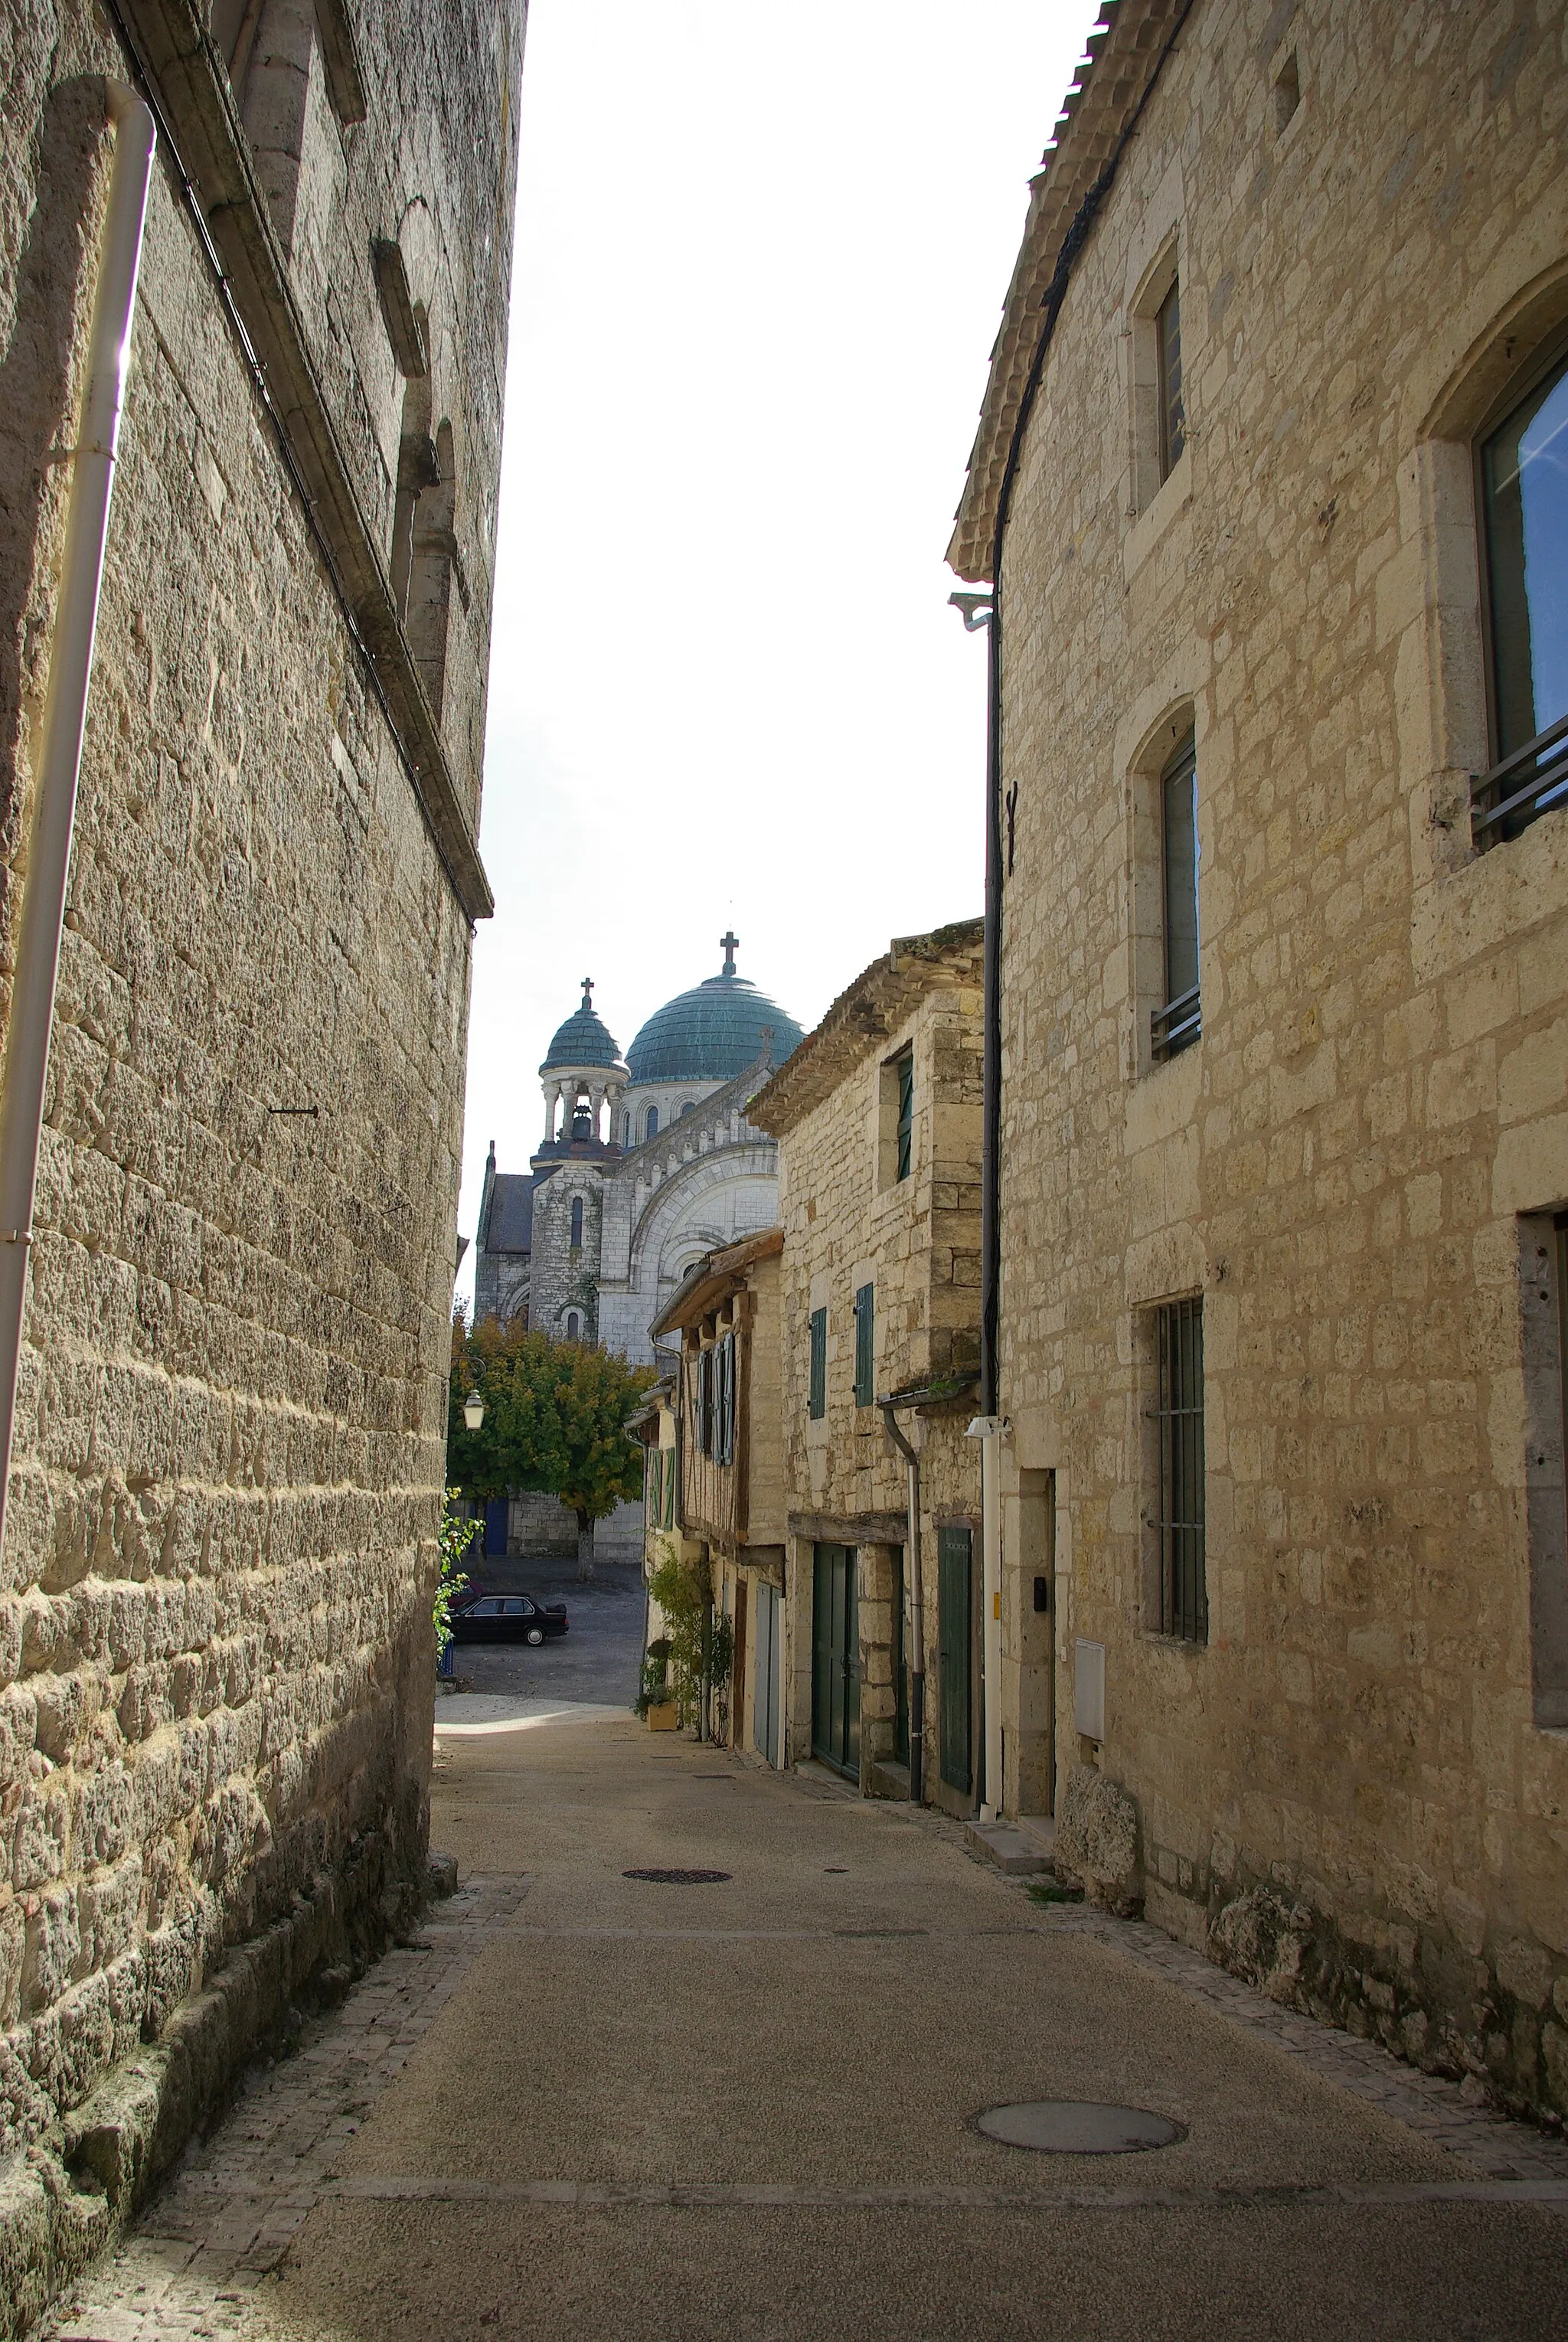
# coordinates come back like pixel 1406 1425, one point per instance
pixel 219 1543
pixel 727 1431
pixel 645 1166
pixel 1270 464
pixel 878 1120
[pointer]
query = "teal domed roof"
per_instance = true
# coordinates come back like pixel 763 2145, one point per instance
pixel 584 1040
pixel 712 1032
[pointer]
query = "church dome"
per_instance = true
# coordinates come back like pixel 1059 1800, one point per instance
pixel 584 1039
pixel 711 1032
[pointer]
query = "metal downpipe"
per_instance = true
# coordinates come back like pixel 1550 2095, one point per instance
pixel 52 825
pixel 916 1610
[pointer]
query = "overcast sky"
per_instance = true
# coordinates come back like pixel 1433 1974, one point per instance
pixel 761 256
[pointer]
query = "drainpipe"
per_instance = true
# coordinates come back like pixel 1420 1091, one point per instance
pixel 59 761
pixel 916 1609
pixel 988 1429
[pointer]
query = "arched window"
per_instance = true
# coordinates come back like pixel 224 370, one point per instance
pixel 574 1326
pixel 576 1222
pixel 650 1128
pixel 686 1105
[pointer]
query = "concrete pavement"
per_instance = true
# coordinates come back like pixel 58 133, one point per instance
pixel 581 2104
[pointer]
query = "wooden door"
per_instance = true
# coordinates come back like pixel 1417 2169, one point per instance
pixel 836 1658
pixel 954 1602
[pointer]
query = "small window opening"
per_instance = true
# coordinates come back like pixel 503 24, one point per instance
pixel 1179 1022
pixel 1180 1521
pixel 576 1222
pixel 1287 92
pixel 574 1326
pixel 1168 347
pixel 650 1126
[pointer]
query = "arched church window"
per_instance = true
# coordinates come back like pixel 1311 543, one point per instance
pixel 686 1105
pixel 576 1222
pixel 574 1326
pixel 650 1128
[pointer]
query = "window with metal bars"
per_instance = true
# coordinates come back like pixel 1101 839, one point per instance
pixel 816 1399
pixel 1523 492
pixel 904 1137
pixel 1178 1416
pixel 864 1345
pixel 1180 1022
pixel 1168 349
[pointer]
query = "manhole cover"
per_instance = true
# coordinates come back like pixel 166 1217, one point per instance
pixel 1077 2126
pixel 679 1878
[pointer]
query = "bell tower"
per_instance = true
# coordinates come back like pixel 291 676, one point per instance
pixel 582 1076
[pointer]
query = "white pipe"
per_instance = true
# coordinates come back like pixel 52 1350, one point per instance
pixel 59 759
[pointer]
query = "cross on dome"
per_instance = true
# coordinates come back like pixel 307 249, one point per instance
pixel 587 992
pixel 729 942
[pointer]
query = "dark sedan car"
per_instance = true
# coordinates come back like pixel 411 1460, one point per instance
pixel 508 1619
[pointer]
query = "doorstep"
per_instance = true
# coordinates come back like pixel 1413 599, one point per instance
pixel 1005 1844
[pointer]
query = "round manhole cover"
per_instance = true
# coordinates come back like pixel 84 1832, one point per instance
pixel 679 1878
pixel 1078 2127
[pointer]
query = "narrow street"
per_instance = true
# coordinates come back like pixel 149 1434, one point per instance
pixel 583 2104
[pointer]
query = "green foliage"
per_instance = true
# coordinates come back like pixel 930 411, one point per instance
pixel 457 1535
pixel 554 1418
pixel 1046 1890
pixel 685 1596
pixel 656 1684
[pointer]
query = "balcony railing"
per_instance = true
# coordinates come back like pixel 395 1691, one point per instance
pixel 1523 786
pixel 1176 1025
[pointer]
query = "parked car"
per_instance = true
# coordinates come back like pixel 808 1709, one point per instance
pixel 506 1618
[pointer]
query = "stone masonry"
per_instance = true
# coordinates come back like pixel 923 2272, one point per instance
pixel 849 1221
pixel 215 1644
pixel 1355 1789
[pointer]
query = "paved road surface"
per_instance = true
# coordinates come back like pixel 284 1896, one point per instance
pixel 583 2107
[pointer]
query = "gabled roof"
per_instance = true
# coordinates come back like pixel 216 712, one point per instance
pixel 866 1016
pixel 712 1279
pixel 510 1226
pixel 1125 51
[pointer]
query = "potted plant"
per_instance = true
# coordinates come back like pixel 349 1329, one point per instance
pixel 656 1701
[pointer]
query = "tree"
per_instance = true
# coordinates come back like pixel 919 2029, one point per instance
pixel 554 1421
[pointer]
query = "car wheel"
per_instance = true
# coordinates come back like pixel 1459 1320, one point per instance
pixel 535 1635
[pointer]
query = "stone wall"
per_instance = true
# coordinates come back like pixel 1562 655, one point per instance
pixel 1346 1788
pixel 215 1584
pixel 917 1242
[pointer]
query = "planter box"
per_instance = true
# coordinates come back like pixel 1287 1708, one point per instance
pixel 662 1715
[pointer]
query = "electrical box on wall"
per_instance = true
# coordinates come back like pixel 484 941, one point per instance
pixel 1089 1690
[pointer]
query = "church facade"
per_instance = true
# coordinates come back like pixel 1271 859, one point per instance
pixel 647 1164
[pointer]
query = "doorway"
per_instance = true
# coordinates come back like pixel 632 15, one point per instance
pixel 955 1656
pixel 835 1659
pixel 766 1706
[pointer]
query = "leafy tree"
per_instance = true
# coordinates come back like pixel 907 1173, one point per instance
pixel 554 1421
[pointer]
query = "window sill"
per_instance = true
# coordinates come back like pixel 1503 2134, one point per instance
pixel 1169 502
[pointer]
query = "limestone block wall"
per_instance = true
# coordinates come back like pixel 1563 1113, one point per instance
pixel 917 1242
pixel 563 1276
pixel 1339 1168
pixel 215 1649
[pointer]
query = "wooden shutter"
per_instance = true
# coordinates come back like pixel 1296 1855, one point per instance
pixel 864 1345
pixel 817 1403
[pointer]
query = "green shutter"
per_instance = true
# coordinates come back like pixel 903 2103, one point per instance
pixel 864 1345
pixel 817 1402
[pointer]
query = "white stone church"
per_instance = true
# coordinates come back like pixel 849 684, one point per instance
pixel 645 1164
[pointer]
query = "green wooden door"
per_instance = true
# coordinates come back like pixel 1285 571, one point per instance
pixel 835 1659
pixel 954 1605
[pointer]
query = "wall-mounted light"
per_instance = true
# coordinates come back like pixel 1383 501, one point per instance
pixel 473 1410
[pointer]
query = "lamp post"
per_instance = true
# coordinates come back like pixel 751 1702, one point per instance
pixel 473 1410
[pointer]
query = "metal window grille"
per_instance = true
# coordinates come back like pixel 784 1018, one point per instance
pixel 818 1399
pixel 905 1113
pixel 1179 1415
pixel 1172 411
pixel 864 1344
pixel 1521 789
pixel 1180 1022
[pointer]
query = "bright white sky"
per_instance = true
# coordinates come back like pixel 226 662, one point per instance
pixel 761 256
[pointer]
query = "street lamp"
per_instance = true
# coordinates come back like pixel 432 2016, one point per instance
pixel 473 1410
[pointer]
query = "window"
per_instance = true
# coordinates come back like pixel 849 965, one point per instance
pixel 574 1326
pixel 725 1399
pixel 1524 497
pixel 1179 1420
pixel 864 1345
pixel 685 1107
pixel 651 1126
pixel 816 1403
pixel 1179 1022
pixel 1287 92
pixel 704 1402
pixel 1168 353
pixel 576 1222
pixel 895 1119
pixel 904 1133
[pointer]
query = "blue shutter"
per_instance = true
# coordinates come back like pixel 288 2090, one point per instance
pixel 864 1346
